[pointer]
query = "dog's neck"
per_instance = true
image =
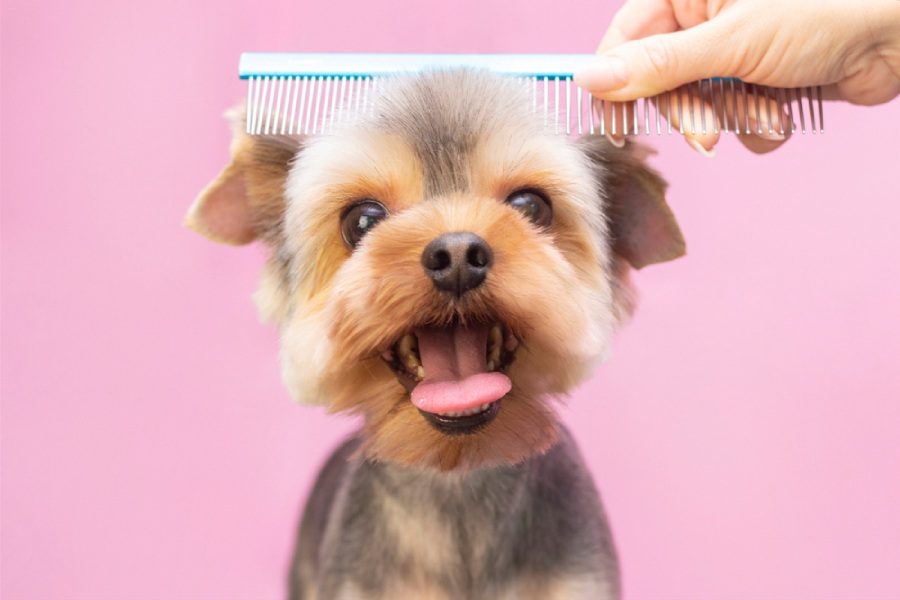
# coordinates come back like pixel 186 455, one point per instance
pixel 495 488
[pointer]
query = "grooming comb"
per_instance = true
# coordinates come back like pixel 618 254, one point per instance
pixel 307 94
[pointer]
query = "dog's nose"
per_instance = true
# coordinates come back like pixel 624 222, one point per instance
pixel 457 262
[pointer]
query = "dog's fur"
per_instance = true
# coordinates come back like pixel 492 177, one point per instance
pixel 407 508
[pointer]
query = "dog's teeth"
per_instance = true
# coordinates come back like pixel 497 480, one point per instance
pixel 495 341
pixel 412 364
pixel 468 412
pixel 407 343
pixel 408 349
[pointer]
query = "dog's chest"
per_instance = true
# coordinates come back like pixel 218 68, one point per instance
pixel 428 529
pixel 530 531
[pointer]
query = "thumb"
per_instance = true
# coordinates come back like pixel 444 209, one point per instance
pixel 658 63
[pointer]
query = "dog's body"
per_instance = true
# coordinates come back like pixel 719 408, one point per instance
pixel 534 530
pixel 445 268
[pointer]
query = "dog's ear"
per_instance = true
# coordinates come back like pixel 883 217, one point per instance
pixel 246 201
pixel 642 226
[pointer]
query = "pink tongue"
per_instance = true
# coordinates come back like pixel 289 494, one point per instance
pixel 456 375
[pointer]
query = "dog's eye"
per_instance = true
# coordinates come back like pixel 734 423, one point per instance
pixel 359 219
pixel 533 207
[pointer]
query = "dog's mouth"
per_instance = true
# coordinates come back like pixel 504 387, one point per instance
pixel 456 374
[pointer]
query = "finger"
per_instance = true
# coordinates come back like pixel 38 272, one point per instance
pixel 762 117
pixel 658 63
pixel 756 115
pixel 615 120
pixel 688 111
pixel 691 112
pixel 758 145
pixel 637 19
pixel 705 110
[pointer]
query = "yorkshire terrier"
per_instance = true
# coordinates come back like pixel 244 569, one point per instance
pixel 446 269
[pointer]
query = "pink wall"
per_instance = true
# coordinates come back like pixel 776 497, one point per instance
pixel 745 434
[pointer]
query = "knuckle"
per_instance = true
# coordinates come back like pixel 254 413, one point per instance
pixel 660 59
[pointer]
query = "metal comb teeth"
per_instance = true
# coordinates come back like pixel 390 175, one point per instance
pixel 305 105
pixel 298 94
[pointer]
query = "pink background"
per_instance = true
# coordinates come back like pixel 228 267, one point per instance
pixel 745 435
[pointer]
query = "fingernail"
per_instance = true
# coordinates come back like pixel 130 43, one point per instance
pixel 772 136
pixel 762 129
pixel 604 74
pixel 696 146
pixel 617 142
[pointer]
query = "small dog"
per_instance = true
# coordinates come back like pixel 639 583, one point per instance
pixel 444 268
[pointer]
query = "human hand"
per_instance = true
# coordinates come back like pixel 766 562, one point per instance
pixel 851 49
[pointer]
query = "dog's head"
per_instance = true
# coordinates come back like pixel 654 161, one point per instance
pixel 441 265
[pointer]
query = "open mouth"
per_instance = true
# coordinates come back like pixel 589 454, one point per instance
pixel 456 374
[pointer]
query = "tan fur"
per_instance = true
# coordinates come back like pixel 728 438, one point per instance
pixel 367 305
pixel 425 558
pixel 561 587
pixel 400 590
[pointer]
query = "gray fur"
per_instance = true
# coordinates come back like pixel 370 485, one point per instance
pixel 442 115
pixel 538 519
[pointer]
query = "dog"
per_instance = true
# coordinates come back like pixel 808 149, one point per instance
pixel 448 270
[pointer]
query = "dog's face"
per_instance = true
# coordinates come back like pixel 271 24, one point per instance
pixel 442 265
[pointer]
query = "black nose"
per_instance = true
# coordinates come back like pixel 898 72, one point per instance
pixel 457 262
